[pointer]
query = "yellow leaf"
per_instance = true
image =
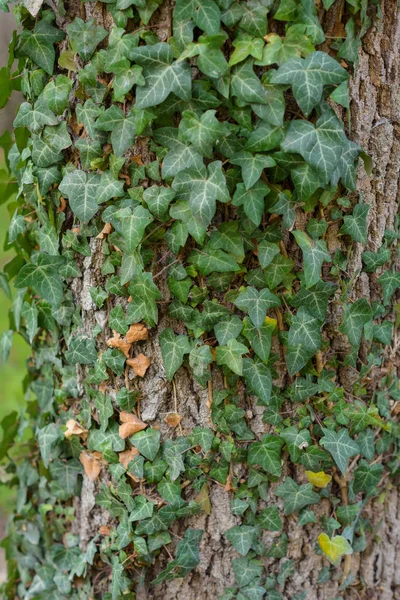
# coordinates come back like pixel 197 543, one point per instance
pixel 203 499
pixel 271 322
pixel 319 479
pixel 334 548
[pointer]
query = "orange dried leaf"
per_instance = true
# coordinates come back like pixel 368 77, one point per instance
pixel 105 231
pixel 73 428
pixel 104 530
pixel 173 420
pixel 137 333
pixel 91 464
pixel 119 343
pixel 126 456
pixel 130 425
pixel 139 364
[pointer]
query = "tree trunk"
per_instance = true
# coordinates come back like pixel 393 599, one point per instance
pixel 372 572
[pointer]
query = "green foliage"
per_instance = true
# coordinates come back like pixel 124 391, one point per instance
pixel 158 179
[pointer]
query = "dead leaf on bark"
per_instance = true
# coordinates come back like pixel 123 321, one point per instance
pixel 203 499
pixel 105 231
pixel 91 464
pixel 126 456
pixel 139 364
pixel 173 420
pixel 73 428
pixel 130 424
pixel 137 333
pixel 104 530
pixel 117 342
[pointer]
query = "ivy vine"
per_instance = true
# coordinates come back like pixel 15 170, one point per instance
pixel 200 150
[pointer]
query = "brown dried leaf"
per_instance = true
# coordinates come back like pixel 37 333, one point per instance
pixel 130 424
pixel 203 499
pixel 105 231
pixel 73 428
pixel 104 530
pixel 139 364
pixel 91 464
pixel 117 342
pixel 173 420
pixel 126 456
pixel 137 333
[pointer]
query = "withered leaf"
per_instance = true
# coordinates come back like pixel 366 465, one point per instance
pixel 130 424
pixel 91 464
pixel 117 342
pixel 126 456
pixel 137 333
pixel 173 419
pixel 73 428
pixel 139 364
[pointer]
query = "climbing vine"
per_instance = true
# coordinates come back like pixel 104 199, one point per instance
pixel 195 157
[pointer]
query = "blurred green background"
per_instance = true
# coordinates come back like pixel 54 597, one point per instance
pixel 13 372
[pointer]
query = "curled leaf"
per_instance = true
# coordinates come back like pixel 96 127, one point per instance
pixel 91 464
pixel 130 425
pixel 139 364
pixel 73 428
pixel 119 343
pixel 137 333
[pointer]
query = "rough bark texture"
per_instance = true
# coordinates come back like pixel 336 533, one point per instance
pixel 375 110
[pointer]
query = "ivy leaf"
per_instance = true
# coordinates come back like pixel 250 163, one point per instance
pixel 308 77
pixel 373 260
pixel 315 299
pixel 38 44
pixel 260 337
pixel 246 571
pixel 144 295
pixel 34 118
pixel 123 129
pixel 158 199
pixel 315 253
pixel 334 548
pixel 267 454
pixel 207 16
pixel 258 378
pixel 228 329
pixel 231 356
pixel 199 358
pixel 133 227
pixel 210 261
pixel 305 331
pixel 256 303
pixel 322 146
pixel 48 437
pixel 81 189
pixel 366 477
pixel 296 496
pixel 296 441
pixel 252 200
pixel 44 278
pixel 341 446
pixel 202 132
pixel 241 537
pixel 162 75
pixel 268 518
pixel 280 50
pixel 85 37
pixel 297 357
pixel 390 282
pixel 203 437
pixel 202 187
pixel 173 349
pixel 81 350
pixel 180 155
pixel 320 479
pixel 266 252
pixel 252 166
pixel 355 316
pixel 355 225
pixel 245 84
pixel 147 442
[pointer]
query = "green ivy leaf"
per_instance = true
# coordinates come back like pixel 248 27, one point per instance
pixel 43 277
pixel 123 129
pixel 296 496
pixel 132 227
pixel 355 316
pixel 341 446
pixel 81 189
pixel 38 44
pixel 268 518
pixel 241 537
pixel 258 378
pixel 308 77
pixel 314 254
pixel 147 442
pixel 173 349
pixel 267 454
pixel 85 37
pixel 162 75
pixel 355 225
pixel 256 303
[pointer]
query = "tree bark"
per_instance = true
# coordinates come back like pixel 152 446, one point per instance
pixel 375 106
